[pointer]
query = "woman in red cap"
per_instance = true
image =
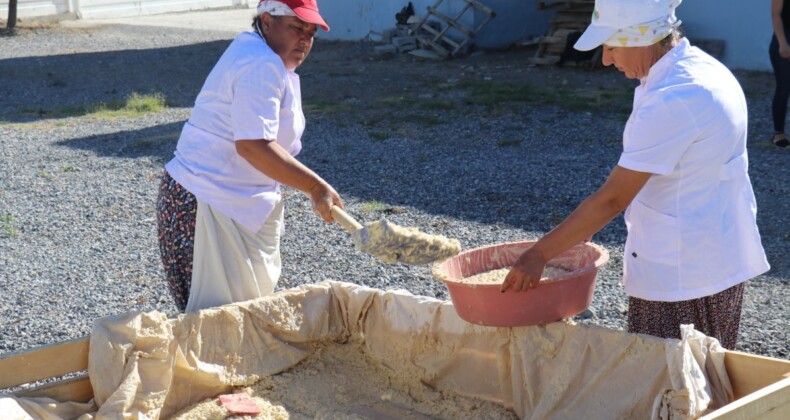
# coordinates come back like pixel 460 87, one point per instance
pixel 220 209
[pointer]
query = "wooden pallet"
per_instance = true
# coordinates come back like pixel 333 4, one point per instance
pixel 439 40
pixel 570 16
pixel 761 384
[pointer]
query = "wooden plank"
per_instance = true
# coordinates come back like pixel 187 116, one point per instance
pixel 480 6
pixel 749 373
pixel 562 19
pixel 769 403
pixel 548 40
pixel 77 389
pixel 565 5
pixel 440 36
pixel 44 362
pixel 436 47
pixel 446 19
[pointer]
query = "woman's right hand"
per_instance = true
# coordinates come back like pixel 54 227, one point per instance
pixel 323 197
pixel 526 272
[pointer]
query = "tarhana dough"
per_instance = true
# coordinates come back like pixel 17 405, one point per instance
pixel 498 275
pixel 392 243
pixel 342 381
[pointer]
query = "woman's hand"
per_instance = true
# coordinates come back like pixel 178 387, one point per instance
pixel 784 51
pixel 525 273
pixel 323 197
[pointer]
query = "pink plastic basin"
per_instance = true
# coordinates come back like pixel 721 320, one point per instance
pixel 554 299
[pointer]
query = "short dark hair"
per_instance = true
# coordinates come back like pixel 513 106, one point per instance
pixel 257 18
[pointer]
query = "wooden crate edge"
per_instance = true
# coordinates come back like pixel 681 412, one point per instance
pixel 770 402
pixel 76 389
pixel 36 364
pixel 750 372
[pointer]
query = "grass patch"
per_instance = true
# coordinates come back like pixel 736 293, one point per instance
pixel 7 226
pixel 508 142
pixel 379 135
pixel 389 101
pixel 436 105
pixel 325 107
pixel 54 113
pixel 578 99
pixel 426 120
pixel 134 106
pixel 372 206
pixel 395 121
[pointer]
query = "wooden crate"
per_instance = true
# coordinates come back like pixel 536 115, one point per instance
pixel 761 384
pixel 569 16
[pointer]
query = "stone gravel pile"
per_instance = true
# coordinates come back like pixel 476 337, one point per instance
pixel 396 138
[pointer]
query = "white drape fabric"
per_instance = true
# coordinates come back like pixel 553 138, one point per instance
pixel 143 365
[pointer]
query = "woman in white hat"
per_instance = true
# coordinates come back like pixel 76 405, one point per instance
pixel 681 179
pixel 220 210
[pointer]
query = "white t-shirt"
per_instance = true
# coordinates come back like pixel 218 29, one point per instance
pixel 692 229
pixel 248 95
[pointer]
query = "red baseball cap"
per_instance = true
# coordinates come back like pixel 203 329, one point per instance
pixel 306 10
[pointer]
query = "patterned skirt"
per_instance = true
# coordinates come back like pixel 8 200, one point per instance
pixel 176 209
pixel 717 316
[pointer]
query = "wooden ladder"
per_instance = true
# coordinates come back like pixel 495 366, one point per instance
pixel 438 40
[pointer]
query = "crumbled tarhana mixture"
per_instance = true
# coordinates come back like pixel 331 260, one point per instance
pixel 342 381
pixel 498 276
pixel 392 243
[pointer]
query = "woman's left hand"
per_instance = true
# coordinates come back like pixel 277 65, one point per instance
pixel 323 197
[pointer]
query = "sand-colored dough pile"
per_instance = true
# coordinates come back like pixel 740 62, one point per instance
pixel 341 381
pixel 498 276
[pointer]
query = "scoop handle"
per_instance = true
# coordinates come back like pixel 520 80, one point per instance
pixel 345 220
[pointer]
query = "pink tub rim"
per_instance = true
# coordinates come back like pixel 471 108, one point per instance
pixel 440 273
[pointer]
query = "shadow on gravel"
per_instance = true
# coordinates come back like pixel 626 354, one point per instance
pixel 63 85
pixel 158 142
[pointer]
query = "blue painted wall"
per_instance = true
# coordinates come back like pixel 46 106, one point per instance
pixel 515 20
pixel 744 25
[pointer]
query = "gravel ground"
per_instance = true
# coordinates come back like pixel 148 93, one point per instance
pixel 427 144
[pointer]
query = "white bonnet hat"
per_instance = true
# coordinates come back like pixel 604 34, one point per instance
pixel 629 23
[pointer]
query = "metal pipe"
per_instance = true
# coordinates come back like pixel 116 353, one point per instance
pixel 11 15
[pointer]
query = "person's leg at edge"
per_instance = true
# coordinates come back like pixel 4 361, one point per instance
pixel 175 213
pixel 717 316
pixel 781 69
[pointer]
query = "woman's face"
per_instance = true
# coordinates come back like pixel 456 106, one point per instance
pixel 289 37
pixel 634 62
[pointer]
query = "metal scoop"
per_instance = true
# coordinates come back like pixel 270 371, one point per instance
pixel 392 243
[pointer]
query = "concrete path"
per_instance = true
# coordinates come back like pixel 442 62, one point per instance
pixel 233 20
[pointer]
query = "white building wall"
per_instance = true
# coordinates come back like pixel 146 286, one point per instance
pixel 98 9
pixel 31 8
